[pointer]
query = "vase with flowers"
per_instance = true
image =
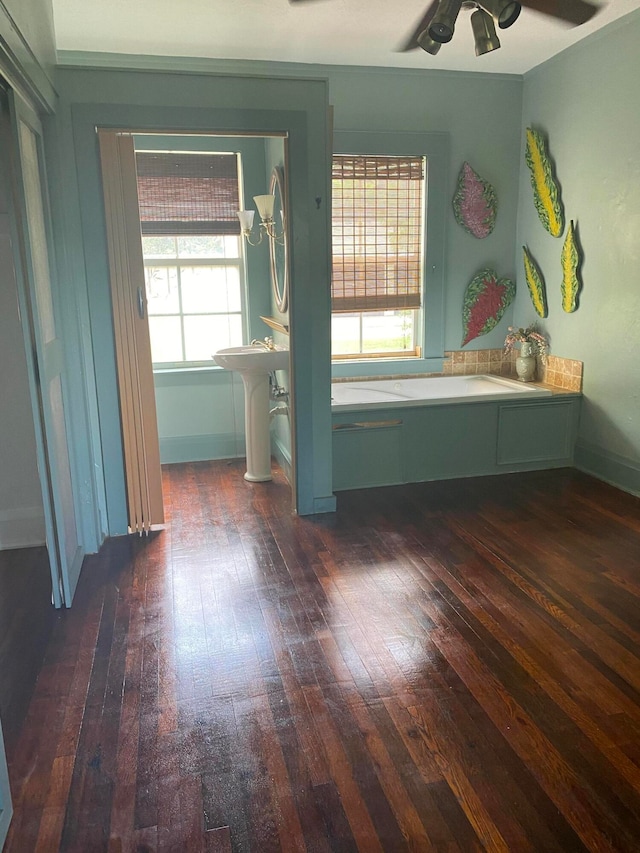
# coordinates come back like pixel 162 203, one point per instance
pixel 532 343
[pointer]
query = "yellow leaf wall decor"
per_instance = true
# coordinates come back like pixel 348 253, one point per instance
pixel 535 283
pixel 545 190
pixel 570 264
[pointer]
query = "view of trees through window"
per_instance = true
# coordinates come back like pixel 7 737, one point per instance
pixel 369 332
pixel 194 295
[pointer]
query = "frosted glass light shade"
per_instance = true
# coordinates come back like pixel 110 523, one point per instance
pixel 265 204
pixel 246 219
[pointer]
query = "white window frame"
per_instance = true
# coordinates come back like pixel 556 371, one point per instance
pixel 178 262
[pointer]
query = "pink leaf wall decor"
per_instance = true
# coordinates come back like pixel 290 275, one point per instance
pixel 475 204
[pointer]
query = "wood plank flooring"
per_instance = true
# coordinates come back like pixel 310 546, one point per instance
pixel 26 621
pixel 440 667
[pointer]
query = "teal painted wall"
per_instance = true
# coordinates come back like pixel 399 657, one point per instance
pixel 27 49
pixel 34 19
pixel 481 114
pixel 185 102
pixel 200 414
pixel 587 102
pixel 21 511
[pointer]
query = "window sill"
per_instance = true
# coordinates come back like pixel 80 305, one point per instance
pixel 398 355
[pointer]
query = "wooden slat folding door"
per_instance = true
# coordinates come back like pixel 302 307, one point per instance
pixel 133 348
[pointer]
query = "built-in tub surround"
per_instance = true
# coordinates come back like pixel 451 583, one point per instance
pixel 428 391
pixel 560 373
pixel 408 430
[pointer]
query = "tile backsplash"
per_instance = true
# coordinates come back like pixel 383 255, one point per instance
pixel 458 362
pixel 565 373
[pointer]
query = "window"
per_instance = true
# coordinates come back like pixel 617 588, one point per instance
pixel 377 265
pixel 192 251
pixel 194 296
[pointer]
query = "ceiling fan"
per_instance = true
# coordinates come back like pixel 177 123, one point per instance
pixel 437 25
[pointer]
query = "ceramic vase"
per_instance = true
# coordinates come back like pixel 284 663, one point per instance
pixel 526 363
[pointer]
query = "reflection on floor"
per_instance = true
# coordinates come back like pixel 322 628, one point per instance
pixel 448 666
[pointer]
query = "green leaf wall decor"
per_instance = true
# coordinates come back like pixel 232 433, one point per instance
pixel 475 204
pixel 545 190
pixel 535 283
pixel 570 264
pixel 485 301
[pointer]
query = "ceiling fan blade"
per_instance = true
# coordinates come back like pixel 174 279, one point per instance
pixel 412 42
pixel 573 11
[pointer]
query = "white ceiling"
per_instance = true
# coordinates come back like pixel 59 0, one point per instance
pixel 342 32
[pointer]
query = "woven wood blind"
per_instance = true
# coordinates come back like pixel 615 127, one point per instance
pixel 377 229
pixel 188 193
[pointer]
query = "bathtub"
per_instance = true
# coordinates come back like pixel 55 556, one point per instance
pixel 363 395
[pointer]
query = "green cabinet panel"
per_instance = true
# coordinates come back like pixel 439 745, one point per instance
pixel 449 441
pixel 536 432
pixel 367 453
pixel 438 442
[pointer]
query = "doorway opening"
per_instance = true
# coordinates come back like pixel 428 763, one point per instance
pixel 204 289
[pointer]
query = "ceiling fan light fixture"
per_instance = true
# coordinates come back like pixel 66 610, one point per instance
pixel 505 12
pixel 443 22
pixel 427 43
pixel 484 32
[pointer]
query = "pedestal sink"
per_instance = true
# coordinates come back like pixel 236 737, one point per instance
pixel 254 363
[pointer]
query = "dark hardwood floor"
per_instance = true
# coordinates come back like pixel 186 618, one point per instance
pixel 450 666
pixel 26 622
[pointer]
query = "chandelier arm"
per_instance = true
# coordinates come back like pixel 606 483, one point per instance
pixel 247 237
pixel 269 227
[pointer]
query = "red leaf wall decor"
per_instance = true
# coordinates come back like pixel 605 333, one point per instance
pixel 485 301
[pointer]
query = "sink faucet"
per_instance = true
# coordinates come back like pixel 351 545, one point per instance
pixel 267 343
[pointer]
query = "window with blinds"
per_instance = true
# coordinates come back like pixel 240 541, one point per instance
pixel 191 243
pixel 183 193
pixel 377 232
